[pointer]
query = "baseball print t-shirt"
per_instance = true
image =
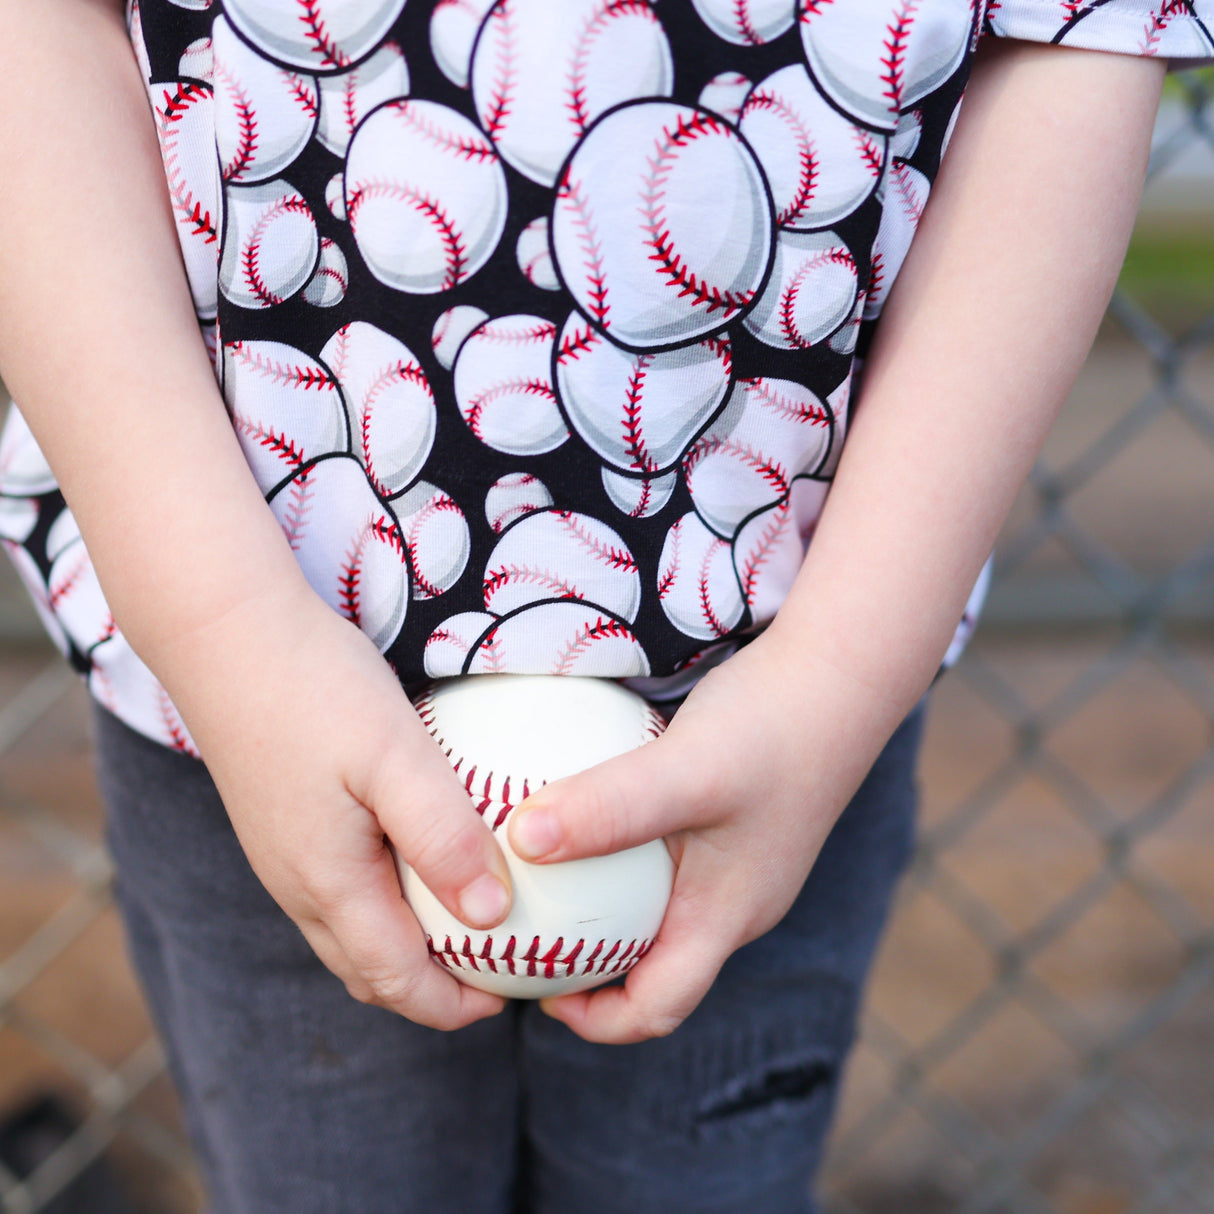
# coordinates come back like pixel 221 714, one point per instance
pixel 537 320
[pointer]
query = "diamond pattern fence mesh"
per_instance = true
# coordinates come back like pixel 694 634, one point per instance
pixel 1038 1035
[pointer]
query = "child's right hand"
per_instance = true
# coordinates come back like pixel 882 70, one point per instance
pixel 318 756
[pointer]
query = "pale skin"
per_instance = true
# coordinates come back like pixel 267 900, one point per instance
pixel 319 759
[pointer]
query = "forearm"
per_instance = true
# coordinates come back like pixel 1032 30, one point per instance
pixel 989 324
pixel 98 340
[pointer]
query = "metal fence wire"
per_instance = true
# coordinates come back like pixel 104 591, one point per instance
pixel 1039 1031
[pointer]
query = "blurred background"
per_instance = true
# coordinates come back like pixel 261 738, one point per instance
pixel 1039 1034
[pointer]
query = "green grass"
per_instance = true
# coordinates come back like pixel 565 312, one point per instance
pixel 1169 270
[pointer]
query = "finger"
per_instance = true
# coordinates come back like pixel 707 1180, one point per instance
pixel 642 795
pixel 436 830
pixel 389 962
pixel 660 993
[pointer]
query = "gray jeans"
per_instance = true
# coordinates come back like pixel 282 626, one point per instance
pixel 300 1100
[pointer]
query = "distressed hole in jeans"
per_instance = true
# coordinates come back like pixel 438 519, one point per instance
pixel 782 1088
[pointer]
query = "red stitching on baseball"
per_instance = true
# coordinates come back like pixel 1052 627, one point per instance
pixel 501 93
pixel 525 387
pixel 710 617
pixel 601 629
pixel 667 262
pixel 770 471
pixel 393 373
pixel 495 660
pixel 807 178
pixel 299 503
pixel 527 575
pixel 292 375
pixel 788 296
pixel 62 589
pixel 246 120
pixel 456 255
pixel 911 205
pixel 187 207
pixel 440 503
pixel 581 341
pixel 787 407
pixel 251 253
pixel 276 443
pixel 308 98
pixel 592 249
pixel 349 582
pixel 869 150
pixel 762 549
pixel 615 558
pixel 1159 23
pixel 316 33
pixel 493 332
pixel 178 737
pixel 540 959
pixel 575 102
pixel 741 18
pixel 894 61
pixel 642 504
pixel 464 146
pixel 634 440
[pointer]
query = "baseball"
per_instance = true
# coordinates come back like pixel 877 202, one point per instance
pixel 572 925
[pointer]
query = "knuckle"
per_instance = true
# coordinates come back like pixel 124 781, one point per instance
pixel 445 852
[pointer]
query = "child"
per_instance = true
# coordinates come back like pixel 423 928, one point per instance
pixel 536 327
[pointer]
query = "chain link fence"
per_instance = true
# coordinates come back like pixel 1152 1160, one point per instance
pixel 1039 1032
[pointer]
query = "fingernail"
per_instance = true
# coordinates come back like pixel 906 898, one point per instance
pixel 483 902
pixel 535 833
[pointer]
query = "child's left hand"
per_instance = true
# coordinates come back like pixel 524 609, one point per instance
pixel 745 786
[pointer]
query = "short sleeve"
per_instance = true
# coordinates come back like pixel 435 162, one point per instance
pixel 1179 30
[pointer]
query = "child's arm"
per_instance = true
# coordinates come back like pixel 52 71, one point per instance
pixel 311 740
pixel 985 332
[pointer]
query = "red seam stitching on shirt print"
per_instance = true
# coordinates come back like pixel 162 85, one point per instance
pixel 501 92
pixel 294 375
pixel 454 251
pixel 807 178
pixel 667 261
pixel 615 558
pixel 762 550
pixel 893 63
pixel 575 81
pixel 792 289
pixel 322 43
pixel 588 239
pixel 250 256
pixel 246 119
pixel 634 439
pixel 187 207
pixel 741 16
pixel 601 629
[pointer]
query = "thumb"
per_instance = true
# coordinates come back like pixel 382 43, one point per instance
pixel 624 802
pixel 435 829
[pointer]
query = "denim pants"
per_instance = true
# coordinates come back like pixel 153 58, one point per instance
pixel 300 1100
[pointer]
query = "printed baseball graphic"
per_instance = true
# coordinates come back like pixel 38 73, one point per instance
pixel 811 292
pixel 23 467
pixel 535 257
pixel 513 497
pixel 286 408
pixel 747 22
pixel 75 596
pixel 453 28
pixel 347 98
pixel 335 197
pixel 436 536
pixel 628 229
pixel 264 115
pixel 327 287
pixel 451 328
pixel 770 547
pixel 324 36
pixel 906 193
pixel 185 122
pixel 772 431
pixel 270 244
pixel 543 72
pixel 697 586
pixel 425 196
pixel 448 646
pixel 558 554
pixel 564 638
pixel 348 544
pixel 503 385
pixel 639 496
pixel 725 94
pixel 392 413
pixel 198 61
pixel 820 166
pixel 639 412
pixel 573 925
pixel 122 683
pixel 875 59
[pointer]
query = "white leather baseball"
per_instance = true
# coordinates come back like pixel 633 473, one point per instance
pixel 572 925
